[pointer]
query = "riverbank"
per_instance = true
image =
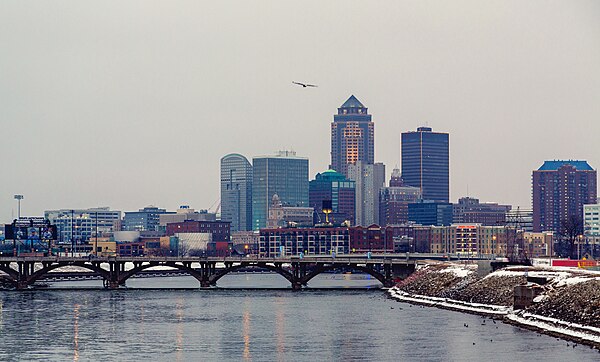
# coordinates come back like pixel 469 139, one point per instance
pixel 568 306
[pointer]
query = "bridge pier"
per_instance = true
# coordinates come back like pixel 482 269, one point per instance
pixel 296 285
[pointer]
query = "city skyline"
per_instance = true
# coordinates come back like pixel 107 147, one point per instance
pixel 103 110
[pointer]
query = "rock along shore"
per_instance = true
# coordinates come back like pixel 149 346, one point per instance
pixel 568 308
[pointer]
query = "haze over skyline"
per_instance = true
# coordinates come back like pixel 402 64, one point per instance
pixel 127 104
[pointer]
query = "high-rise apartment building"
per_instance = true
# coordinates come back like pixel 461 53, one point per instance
pixel 352 136
pixel 394 200
pixel 236 192
pixel 560 189
pixel 425 163
pixel 284 174
pixel 369 179
pixel 335 187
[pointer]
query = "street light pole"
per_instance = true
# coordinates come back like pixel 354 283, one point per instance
pixel 19 198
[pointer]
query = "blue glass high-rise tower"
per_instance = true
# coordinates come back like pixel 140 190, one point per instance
pixel 425 163
pixel 236 192
pixel 284 174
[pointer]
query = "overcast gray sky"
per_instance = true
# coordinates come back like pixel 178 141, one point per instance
pixel 131 103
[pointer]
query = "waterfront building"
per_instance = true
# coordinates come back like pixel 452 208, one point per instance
pixel 427 212
pixel 425 163
pixel 471 240
pixel 281 242
pixel 79 225
pixel 185 213
pixel 236 192
pixel 538 245
pixel 334 187
pixel 146 219
pixel 352 136
pixel 370 239
pixel 284 174
pixel 245 242
pixel 219 230
pixel 409 237
pixel 394 200
pixel 560 189
pixel 281 215
pixel 469 210
pixel 369 179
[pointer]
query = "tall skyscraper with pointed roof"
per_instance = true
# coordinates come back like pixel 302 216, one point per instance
pixel 352 136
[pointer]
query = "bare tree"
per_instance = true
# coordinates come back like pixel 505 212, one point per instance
pixel 570 230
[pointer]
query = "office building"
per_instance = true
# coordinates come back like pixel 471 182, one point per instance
pixel 352 136
pixel 281 215
pixel 334 187
pixel 146 219
pixel 425 163
pixel 185 213
pixel 368 179
pixel 560 189
pixel 469 210
pixel 80 225
pixel 430 213
pixel 394 200
pixel 236 192
pixel 284 174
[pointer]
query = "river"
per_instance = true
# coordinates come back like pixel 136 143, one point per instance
pixel 80 322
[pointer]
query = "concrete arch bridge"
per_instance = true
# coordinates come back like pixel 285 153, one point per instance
pixel 23 272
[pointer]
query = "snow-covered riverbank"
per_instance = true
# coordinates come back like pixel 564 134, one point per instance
pixel 569 306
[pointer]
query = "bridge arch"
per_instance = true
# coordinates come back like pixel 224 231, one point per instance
pixel 123 276
pixel 324 268
pixel 105 274
pixel 13 274
pixel 277 269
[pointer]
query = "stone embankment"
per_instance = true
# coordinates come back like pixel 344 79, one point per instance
pixel 569 305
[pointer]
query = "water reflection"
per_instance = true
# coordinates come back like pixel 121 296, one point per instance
pixel 246 332
pixel 179 329
pixel 76 333
pixel 280 327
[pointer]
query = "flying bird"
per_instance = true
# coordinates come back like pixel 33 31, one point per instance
pixel 304 85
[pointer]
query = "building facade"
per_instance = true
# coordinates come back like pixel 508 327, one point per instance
pixel 219 230
pixel 591 220
pixel 560 189
pixel 469 210
pixel 352 136
pixel 283 242
pixel 281 215
pixel 284 174
pixel 146 219
pixel 236 192
pixel 335 187
pixel 369 179
pixel 394 200
pixel 425 163
pixel 430 213
pixel 185 213
pixel 80 225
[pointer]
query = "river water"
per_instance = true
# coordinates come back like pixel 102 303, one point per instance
pixel 80 322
